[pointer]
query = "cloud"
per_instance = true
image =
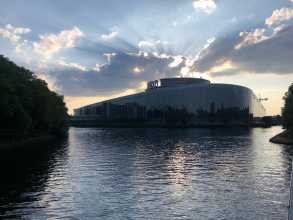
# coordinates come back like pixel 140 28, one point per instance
pixel 146 45
pixel 248 38
pixel 113 34
pixel 262 50
pixel 207 6
pixel 272 55
pixel 50 44
pixel 280 15
pixel 153 46
pixel 108 37
pixel 71 65
pixel 177 61
pixel 98 67
pixel 13 34
pixel 124 70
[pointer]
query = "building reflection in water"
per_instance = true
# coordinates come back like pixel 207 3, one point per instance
pixel 149 173
pixel 178 171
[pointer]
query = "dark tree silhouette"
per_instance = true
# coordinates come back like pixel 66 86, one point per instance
pixel 27 106
pixel 287 111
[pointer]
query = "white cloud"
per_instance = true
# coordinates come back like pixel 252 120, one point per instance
pixel 108 37
pixel 98 67
pixel 146 45
pixel 21 47
pixel 153 46
pixel 207 6
pixel 53 43
pixel 278 28
pixel 17 30
pixel 248 38
pixel 177 60
pixel 62 63
pixel 13 34
pixel 275 25
pixel 280 15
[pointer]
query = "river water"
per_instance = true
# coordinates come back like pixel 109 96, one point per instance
pixel 119 173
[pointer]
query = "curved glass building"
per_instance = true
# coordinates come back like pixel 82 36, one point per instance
pixel 196 96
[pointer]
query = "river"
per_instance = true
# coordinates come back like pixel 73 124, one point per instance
pixel 119 173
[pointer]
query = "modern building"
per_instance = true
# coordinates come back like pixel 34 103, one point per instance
pixel 176 96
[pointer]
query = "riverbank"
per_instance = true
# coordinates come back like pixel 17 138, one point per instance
pixel 282 138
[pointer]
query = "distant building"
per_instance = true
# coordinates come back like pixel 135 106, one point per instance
pixel 174 97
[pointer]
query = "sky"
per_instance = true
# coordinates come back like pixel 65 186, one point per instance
pixel 92 50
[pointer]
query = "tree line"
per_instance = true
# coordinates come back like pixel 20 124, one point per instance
pixel 287 111
pixel 27 106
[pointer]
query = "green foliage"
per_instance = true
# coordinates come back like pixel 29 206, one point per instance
pixel 26 103
pixel 287 112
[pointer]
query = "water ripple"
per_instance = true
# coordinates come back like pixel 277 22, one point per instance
pixel 149 174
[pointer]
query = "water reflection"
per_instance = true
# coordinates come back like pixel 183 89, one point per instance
pixel 152 174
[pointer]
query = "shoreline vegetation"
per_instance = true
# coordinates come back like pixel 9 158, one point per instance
pixel 286 137
pixel 29 111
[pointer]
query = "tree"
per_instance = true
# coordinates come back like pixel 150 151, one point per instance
pixel 287 111
pixel 26 104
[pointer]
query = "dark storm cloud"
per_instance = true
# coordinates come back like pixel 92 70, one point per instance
pixel 273 55
pixel 114 77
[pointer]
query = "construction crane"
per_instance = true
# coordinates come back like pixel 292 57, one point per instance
pixel 263 99
pixel 260 99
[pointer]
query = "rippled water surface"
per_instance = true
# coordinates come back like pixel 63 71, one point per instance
pixel 149 174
